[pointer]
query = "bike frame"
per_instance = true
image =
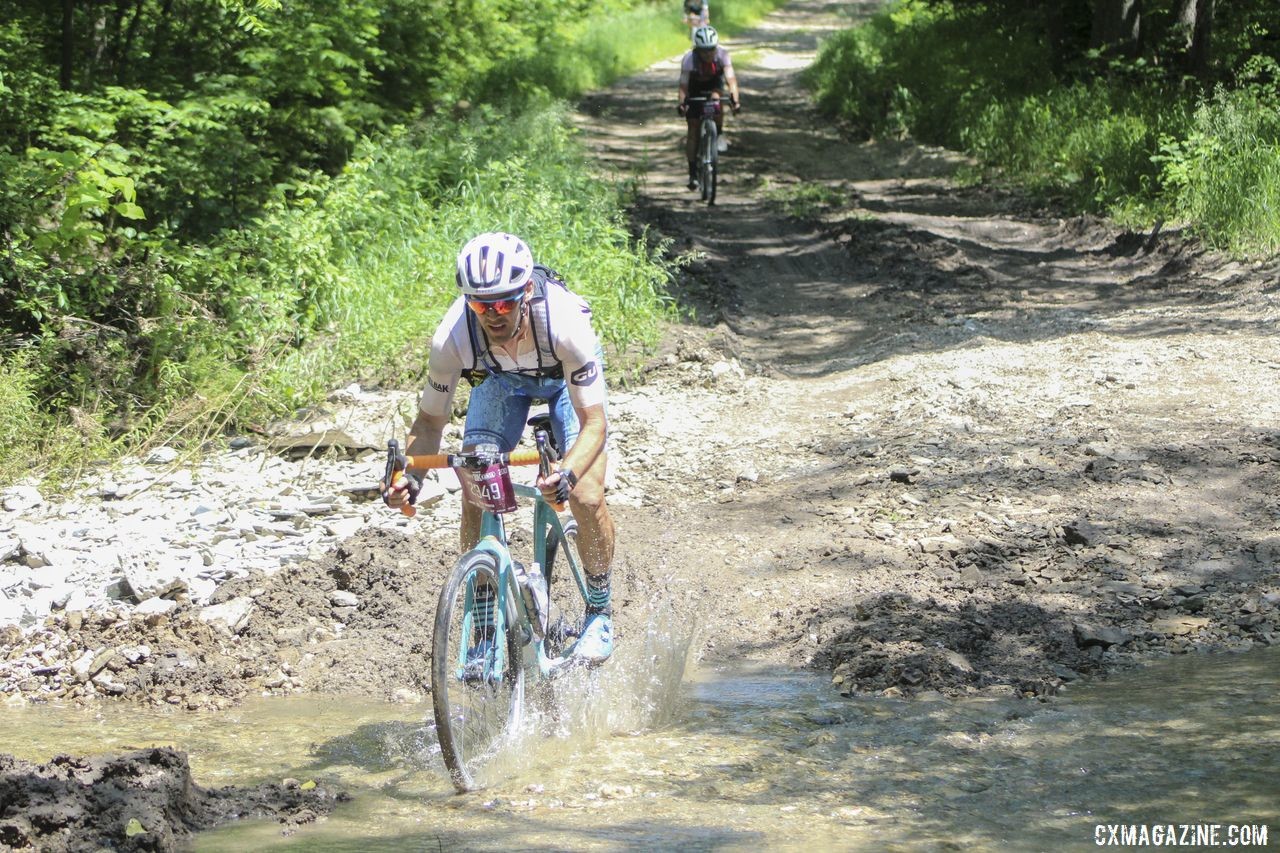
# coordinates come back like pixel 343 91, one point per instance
pixel 493 539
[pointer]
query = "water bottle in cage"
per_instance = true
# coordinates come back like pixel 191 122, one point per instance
pixel 534 588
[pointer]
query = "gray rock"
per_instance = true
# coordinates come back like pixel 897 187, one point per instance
pixel 80 667
pixel 1087 635
pixel 155 606
pixel 141 582
pixel 1082 532
pixel 940 544
pixel 233 614
pixel 11 610
pixel 135 654
pixel 20 498
pixel 1066 673
pixel 1267 551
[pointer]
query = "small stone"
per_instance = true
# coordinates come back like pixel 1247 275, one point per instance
pixel 233 614
pixel 343 598
pixel 162 456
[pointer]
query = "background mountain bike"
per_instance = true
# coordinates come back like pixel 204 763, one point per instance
pixel 498 624
pixel 708 136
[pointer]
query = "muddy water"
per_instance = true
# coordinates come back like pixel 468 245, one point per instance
pixel 745 758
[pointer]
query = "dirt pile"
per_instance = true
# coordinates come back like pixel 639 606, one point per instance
pixel 143 800
pixel 356 621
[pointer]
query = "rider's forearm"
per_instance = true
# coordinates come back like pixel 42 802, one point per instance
pixel 425 434
pixel 590 441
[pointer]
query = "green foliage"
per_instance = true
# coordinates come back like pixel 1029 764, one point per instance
pixel 585 52
pixel 1131 137
pixel 1224 174
pixel 214 211
pixel 1089 143
pixel 924 68
pixel 377 248
pixel 805 201
pixel 19 411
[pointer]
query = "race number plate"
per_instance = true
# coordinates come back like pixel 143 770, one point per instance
pixel 488 487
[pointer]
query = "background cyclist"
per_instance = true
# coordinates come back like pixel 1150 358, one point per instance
pixel 705 71
pixel 532 340
pixel 696 13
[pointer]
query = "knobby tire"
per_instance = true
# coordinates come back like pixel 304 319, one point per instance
pixel 708 157
pixel 472 716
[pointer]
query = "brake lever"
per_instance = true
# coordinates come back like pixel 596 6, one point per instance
pixel 397 465
pixel 546 455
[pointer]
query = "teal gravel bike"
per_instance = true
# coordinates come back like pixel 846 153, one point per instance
pixel 500 625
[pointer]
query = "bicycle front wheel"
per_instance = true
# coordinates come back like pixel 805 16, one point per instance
pixel 477 676
pixel 708 161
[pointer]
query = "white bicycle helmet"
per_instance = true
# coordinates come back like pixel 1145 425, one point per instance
pixel 705 37
pixel 493 264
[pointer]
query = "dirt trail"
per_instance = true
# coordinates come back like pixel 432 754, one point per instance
pixel 989 448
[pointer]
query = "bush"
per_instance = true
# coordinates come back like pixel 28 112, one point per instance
pixel 925 69
pixel 1225 174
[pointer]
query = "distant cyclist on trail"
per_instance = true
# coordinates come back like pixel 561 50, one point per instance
pixel 705 72
pixel 696 13
pixel 520 336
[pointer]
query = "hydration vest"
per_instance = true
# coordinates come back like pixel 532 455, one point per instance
pixel 706 77
pixel 483 361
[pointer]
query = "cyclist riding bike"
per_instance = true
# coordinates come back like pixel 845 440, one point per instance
pixel 696 13
pixel 705 72
pixel 518 336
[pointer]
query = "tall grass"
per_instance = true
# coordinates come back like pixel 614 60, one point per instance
pixel 1224 174
pixel 389 247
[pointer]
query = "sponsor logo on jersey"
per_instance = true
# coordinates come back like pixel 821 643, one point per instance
pixel 585 375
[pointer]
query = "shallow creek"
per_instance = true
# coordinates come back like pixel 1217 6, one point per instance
pixel 651 754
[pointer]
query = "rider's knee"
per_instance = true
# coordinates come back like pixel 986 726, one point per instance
pixel 588 496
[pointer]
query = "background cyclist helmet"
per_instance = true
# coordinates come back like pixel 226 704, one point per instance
pixel 705 37
pixel 492 265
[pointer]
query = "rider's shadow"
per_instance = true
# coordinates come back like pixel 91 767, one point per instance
pixel 380 748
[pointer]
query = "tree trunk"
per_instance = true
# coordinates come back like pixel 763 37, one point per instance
pixel 100 41
pixel 127 48
pixel 1117 27
pixel 68 46
pixel 1055 34
pixel 1195 24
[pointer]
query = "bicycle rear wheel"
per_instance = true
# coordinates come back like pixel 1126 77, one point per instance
pixel 477 676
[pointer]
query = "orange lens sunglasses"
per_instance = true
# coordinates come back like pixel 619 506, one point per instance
pixel 501 306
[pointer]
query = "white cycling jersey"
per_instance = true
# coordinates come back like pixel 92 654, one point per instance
pixel 571 338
